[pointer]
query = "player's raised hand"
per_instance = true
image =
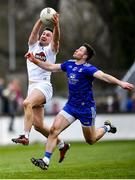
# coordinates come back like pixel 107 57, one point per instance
pixel 55 19
pixel 127 86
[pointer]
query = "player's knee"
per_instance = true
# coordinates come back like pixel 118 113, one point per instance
pixel 53 131
pixel 27 104
pixel 90 141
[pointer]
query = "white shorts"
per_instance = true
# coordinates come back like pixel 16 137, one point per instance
pixel 44 87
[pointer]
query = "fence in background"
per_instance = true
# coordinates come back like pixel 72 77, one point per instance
pixel 125 124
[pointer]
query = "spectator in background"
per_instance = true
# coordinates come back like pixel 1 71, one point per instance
pixel 133 98
pixel 14 97
pixel 129 103
pixel 1 94
pixel 55 108
pixel 110 101
pixel 116 103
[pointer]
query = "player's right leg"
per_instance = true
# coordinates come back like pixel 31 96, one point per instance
pixel 60 123
pixel 40 163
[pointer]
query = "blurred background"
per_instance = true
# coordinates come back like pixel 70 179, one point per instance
pixel 108 25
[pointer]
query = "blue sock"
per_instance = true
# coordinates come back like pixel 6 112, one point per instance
pixel 48 155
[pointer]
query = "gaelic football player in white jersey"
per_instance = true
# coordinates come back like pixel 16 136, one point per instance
pixel 44 47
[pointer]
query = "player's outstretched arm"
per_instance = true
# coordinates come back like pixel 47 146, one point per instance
pixel 34 36
pixel 43 64
pixel 56 33
pixel 110 79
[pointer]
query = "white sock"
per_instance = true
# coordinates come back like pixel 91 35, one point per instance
pixel 61 144
pixel 26 133
pixel 46 160
pixel 108 127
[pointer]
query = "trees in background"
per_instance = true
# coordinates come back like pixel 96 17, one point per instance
pixel 119 15
pixel 107 24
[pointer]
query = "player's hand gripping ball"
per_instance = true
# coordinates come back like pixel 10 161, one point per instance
pixel 47 14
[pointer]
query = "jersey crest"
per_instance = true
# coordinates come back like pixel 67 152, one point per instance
pixel 41 56
pixel 87 65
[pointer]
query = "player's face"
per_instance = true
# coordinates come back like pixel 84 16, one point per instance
pixel 79 53
pixel 45 37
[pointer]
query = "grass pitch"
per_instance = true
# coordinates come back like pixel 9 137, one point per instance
pixel 104 160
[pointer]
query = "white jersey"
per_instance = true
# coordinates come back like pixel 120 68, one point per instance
pixel 43 53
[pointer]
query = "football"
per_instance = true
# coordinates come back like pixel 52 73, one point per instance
pixel 47 14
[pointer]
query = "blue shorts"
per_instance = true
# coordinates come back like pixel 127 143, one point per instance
pixel 86 115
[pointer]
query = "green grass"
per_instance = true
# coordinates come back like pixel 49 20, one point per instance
pixel 104 160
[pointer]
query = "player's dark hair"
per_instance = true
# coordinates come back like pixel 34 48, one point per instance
pixel 49 29
pixel 90 51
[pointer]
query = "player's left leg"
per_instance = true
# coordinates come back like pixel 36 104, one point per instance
pixel 60 123
pixel 44 130
pixel 38 121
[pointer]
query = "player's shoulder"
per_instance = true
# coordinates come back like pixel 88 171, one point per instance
pixel 33 45
pixel 87 65
pixel 89 68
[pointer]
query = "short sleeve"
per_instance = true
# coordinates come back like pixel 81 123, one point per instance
pixel 90 70
pixel 49 49
pixel 64 66
pixel 32 46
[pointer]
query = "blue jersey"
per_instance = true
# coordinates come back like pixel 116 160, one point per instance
pixel 80 79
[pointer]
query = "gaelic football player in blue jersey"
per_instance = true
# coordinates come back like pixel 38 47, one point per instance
pixel 80 104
